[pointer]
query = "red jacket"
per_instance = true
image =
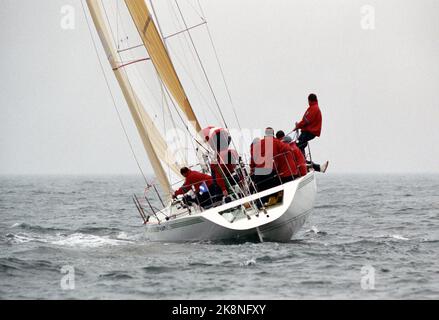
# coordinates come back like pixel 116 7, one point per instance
pixel 219 178
pixel 267 153
pixel 195 179
pixel 312 120
pixel 225 167
pixel 299 159
pixel 285 164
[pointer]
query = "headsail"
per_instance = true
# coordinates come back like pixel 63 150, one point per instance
pixel 153 142
pixel 157 51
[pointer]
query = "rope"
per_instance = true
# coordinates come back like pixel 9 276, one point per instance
pixel 111 94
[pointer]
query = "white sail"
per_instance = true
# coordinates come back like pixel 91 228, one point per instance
pixel 153 142
pixel 150 81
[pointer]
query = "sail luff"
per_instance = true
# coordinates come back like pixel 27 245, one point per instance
pixel 159 56
pixel 147 131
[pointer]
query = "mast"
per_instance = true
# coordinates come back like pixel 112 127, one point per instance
pixel 159 56
pixel 145 126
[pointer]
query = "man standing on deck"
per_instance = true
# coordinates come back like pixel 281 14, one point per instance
pixel 311 127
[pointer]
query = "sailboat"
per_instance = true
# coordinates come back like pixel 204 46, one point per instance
pixel 134 41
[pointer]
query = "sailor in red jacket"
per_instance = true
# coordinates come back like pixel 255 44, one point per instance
pixel 298 156
pixel 223 169
pixel 206 191
pixel 311 124
pixel 311 127
pixel 268 161
pixel 293 164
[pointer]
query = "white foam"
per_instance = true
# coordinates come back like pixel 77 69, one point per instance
pixel 125 236
pixel 19 238
pixel 313 229
pixel 399 237
pixel 87 241
pixel 248 263
pixel 74 240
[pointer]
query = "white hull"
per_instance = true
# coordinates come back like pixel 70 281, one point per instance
pixel 279 224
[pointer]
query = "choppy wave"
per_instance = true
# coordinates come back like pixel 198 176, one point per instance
pixel 86 237
pixel 36 228
pixel 15 264
pixel 120 275
pixel 97 230
pixel 78 240
pixel 160 269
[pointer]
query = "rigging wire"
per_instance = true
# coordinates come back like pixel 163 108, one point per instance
pixel 204 69
pixel 202 65
pixel 116 41
pixel 182 64
pixel 185 61
pixel 137 105
pixel 161 84
pixel 137 71
pixel 167 50
pixel 195 9
pixel 167 90
pixel 220 66
pixel 201 96
pixel 112 96
pixel 117 22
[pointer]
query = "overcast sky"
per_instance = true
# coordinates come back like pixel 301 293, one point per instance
pixel 378 88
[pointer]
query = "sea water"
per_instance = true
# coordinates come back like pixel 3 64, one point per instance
pixel 369 237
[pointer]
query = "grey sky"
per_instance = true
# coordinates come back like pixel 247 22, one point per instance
pixel 377 88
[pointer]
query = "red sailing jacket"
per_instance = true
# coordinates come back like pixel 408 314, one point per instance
pixel 284 161
pixel 299 159
pixel 312 120
pixel 225 167
pixel 268 152
pixel 195 179
pixel 215 168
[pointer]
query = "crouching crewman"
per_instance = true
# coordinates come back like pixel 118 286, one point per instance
pixel 206 191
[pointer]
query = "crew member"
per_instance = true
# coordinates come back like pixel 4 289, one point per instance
pixel 298 157
pixel 285 162
pixel 311 127
pixel 223 170
pixel 267 164
pixel 206 191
